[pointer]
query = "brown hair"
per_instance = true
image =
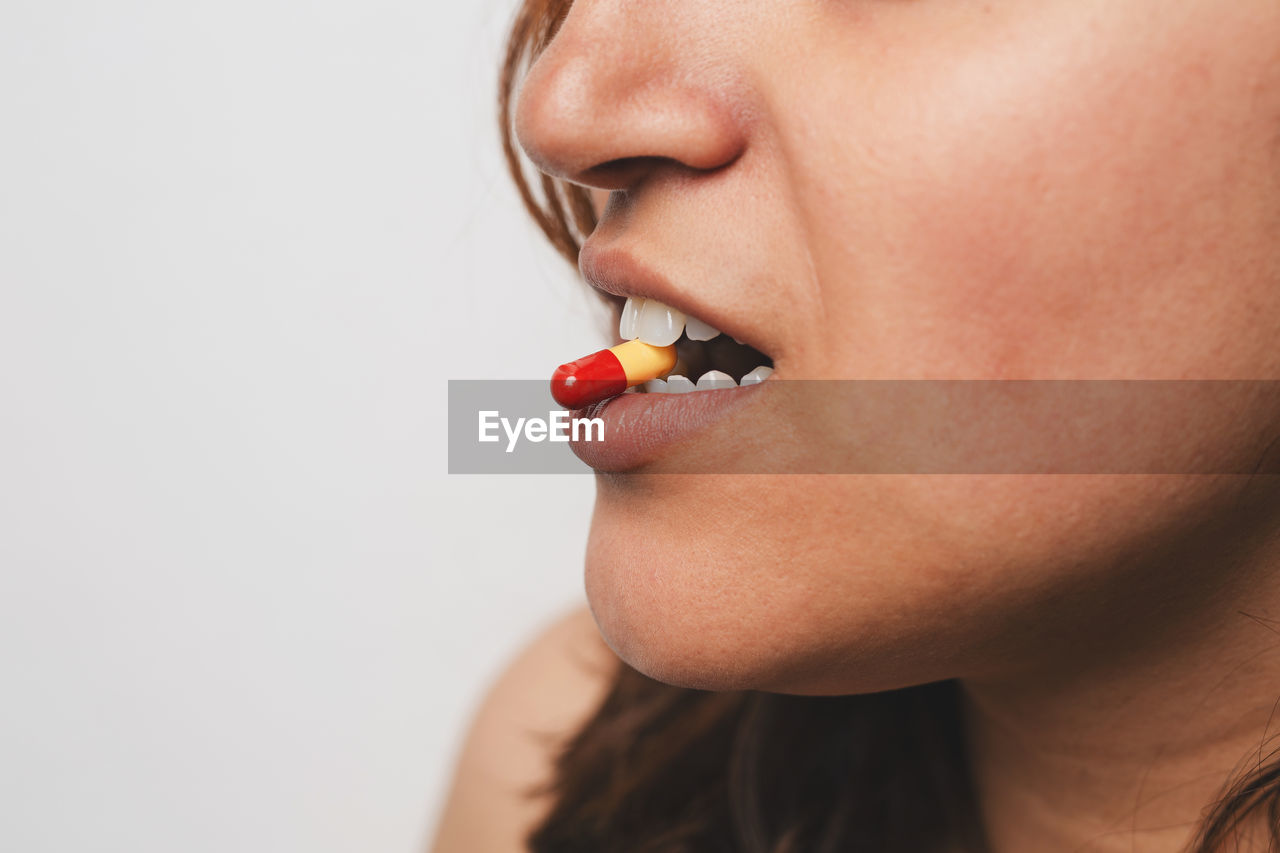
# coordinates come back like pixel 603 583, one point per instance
pixel 662 769
pixel 536 23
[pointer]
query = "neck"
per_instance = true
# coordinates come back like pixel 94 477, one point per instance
pixel 1124 736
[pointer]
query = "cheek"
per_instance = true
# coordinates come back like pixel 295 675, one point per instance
pixel 1070 199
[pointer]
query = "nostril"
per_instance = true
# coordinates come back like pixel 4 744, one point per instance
pixel 620 173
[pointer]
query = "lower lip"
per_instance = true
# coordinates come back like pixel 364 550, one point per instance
pixel 639 428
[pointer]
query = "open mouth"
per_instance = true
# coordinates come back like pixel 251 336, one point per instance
pixel 706 360
pixel 685 378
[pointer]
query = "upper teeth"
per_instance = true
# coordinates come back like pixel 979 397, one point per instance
pixel 698 330
pixel 659 325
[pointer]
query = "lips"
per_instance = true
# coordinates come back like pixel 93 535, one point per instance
pixel 643 429
pixel 706 358
pixel 714 376
pixel 621 274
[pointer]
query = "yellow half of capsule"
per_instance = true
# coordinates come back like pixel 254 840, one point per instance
pixel 642 362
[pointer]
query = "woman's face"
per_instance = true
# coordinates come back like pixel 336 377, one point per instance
pixel 924 189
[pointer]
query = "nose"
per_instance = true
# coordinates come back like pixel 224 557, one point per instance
pixel 623 87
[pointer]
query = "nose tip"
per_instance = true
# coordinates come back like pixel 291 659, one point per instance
pixel 601 108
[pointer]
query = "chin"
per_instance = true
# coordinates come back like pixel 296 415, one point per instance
pixel 701 582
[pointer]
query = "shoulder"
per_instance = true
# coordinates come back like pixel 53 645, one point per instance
pixel 545 694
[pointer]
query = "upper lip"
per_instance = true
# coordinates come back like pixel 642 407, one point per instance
pixel 617 272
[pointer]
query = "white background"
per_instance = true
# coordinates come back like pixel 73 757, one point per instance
pixel 243 245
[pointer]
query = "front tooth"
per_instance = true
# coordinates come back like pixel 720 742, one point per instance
pixel 758 375
pixel 659 325
pixel 714 380
pixel 679 384
pixel 698 330
pixel 655 386
pixel 630 312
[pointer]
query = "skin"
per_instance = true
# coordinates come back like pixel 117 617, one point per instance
pixel 920 189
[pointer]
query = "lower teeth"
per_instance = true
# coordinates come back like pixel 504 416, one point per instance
pixel 718 363
pixel 715 379
pixel 710 381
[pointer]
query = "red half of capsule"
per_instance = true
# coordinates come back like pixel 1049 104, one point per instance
pixel 588 380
